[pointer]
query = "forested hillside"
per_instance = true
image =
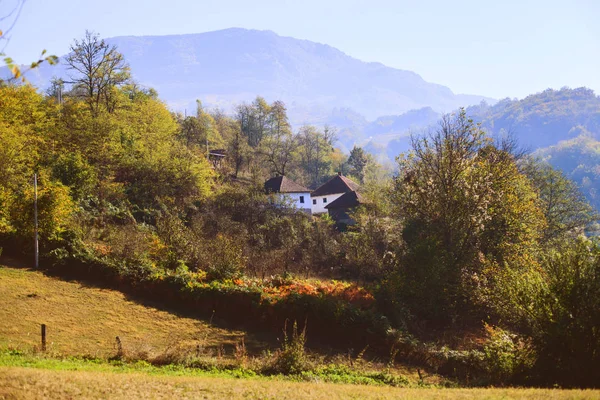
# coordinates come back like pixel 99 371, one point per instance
pixel 471 261
pixel 561 126
pixel 543 119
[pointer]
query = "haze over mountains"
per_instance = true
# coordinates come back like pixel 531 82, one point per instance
pixel 226 67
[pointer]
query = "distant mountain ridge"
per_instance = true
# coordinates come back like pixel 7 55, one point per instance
pixel 223 68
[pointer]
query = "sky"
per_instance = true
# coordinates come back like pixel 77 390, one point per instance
pixel 509 48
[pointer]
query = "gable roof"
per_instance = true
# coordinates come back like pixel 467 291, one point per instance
pixel 337 184
pixel 281 184
pixel 347 200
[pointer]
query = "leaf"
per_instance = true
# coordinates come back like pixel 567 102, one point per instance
pixel 16 71
pixel 52 60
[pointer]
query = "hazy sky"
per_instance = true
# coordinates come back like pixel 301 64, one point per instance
pixel 508 48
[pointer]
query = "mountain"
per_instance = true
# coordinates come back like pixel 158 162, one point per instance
pixel 542 119
pixel 226 67
pixel 579 159
pixel 388 135
pixel 559 126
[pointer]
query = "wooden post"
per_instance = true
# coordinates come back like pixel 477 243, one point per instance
pixel 119 348
pixel 35 216
pixel 43 337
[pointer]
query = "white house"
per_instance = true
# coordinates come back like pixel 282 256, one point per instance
pixel 299 195
pixel 331 191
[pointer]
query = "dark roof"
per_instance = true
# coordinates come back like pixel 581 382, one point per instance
pixel 347 200
pixel 337 184
pixel 281 184
pixel 217 152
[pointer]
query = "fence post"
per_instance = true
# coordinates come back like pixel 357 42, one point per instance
pixel 43 337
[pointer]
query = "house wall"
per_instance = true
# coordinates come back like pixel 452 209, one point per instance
pixel 295 197
pixel 319 208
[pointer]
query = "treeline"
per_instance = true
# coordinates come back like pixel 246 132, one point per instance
pixel 469 234
pixel 125 181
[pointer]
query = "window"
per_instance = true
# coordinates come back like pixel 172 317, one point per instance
pixel 301 199
pixel 314 201
pixel 324 199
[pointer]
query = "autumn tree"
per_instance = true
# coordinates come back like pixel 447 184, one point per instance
pixel 97 68
pixel 465 206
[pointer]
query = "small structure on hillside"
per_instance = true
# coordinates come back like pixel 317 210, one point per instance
pixel 330 191
pixel 284 186
pixel 340 210
pixel 216 157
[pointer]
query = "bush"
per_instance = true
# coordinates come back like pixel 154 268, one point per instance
pixel 225 258
pixel 506 356
pixel 291 359
pixel 558 306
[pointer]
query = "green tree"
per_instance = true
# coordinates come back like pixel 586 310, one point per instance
pixel 558 306
pixel 565 208
pixel 315 148
pixel 358 161
pixel 279 145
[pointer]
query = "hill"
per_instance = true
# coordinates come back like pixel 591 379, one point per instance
pixel 542 119
pixel 560 126
pixel 223 68
pixel 85 320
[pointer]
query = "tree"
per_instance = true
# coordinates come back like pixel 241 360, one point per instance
pixel 56 89
pixel 238 150
pixel 98 69
pixel 279 145
pixel 200 132
pixel 358 161
pixel 464 205
pixel 558 306
pixel 565 208
pixel 315 148
pixel 253 119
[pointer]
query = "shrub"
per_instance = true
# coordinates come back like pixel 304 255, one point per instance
pixel 558 306
pixel 225 258
pixel 291 359
pixel 506 355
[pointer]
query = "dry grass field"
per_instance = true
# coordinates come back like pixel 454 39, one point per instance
pixel 29 383
pixel 86 320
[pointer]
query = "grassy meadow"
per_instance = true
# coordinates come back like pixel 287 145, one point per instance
pixel 32 383
pixel 84 320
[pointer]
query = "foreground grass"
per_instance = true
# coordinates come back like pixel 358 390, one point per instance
pixel 30 383
pixel 25 376
pixel 86 320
